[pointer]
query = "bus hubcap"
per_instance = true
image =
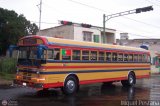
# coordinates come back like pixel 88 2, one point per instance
pixel 71 85
pixel 131 79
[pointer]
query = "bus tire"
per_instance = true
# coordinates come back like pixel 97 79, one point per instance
pixel 71 85
pixel 131 81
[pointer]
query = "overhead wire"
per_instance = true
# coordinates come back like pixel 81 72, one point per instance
pixel 155 26
pixel 151 25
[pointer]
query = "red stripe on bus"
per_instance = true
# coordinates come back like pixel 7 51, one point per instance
pixel 102 80
pixel 60 84
pixel 53 85
pixel 142 76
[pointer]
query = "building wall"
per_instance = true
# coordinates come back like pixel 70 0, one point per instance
pixel 75 32
pixel 111 38
pixel 66 32
pixel 78 33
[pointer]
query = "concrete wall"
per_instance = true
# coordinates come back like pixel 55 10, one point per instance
pixel 75 32
pixel 78 33
pixel 64 31
pixel 111 38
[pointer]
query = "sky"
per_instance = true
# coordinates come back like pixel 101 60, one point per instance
pixel 143 25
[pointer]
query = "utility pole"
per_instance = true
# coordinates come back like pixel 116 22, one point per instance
pixel 137 10
pixel 40 13
pixel 104 28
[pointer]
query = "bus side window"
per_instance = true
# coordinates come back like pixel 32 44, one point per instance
pixel 85 55
pixel 93 55
pixel 120 57
pixel 140 58
pixel 114 57
pixel 101 56
pixel 148 58
pixel 66 54
pixel 125 57
pixel 76 55
pixel 50 54
pixel 56 54
pixel 108 56
pixel 43 56
pixel 130 57
pixel 135 57
pixel 144 57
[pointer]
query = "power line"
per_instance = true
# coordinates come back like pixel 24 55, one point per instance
pixel 44 22
pixel 145 31
pixel 153 3
pixel 87 5
pixel 134 34
pixel 155 26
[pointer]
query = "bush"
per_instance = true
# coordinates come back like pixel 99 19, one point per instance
pixel 7 65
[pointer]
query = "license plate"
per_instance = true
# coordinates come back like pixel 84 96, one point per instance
pixel 24 84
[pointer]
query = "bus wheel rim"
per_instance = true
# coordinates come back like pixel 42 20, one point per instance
pixel 131 79
pixel 70 85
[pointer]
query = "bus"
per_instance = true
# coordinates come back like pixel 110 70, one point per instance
pixel 47 62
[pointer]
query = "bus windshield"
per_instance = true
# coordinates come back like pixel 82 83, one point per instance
pixel 30 56
pixel 27 53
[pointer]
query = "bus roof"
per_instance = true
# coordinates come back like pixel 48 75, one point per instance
pixel 68 42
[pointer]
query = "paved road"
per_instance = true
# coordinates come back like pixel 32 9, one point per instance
pixel 89 95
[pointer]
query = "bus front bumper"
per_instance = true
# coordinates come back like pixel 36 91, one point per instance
pixel 20 83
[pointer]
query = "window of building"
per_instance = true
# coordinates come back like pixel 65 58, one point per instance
pixel 56 54
pixel 101 56
pixel 125 57
pixel 96 38
pixel 114 57
pixel 120 57
pixel 93 55
pixel 76 55
pixel 85 55
pixel 108 56
pixel 66 54
pixel 87 36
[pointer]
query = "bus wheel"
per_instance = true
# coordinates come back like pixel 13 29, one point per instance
pixel 70 86
pixel 131 81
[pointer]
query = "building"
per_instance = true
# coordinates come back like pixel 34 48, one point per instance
pixel 80 33
pixel 153 47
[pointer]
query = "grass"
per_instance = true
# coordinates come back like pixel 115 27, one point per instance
pixel 7 76
pixel 7 68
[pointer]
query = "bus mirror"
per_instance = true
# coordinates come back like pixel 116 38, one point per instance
pixel 40 51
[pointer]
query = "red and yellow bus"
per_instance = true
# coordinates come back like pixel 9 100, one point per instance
pixel 47 62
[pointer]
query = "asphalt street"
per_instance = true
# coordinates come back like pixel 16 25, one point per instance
pixel 145 92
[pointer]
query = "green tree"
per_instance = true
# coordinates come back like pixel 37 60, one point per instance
pixel 13 27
